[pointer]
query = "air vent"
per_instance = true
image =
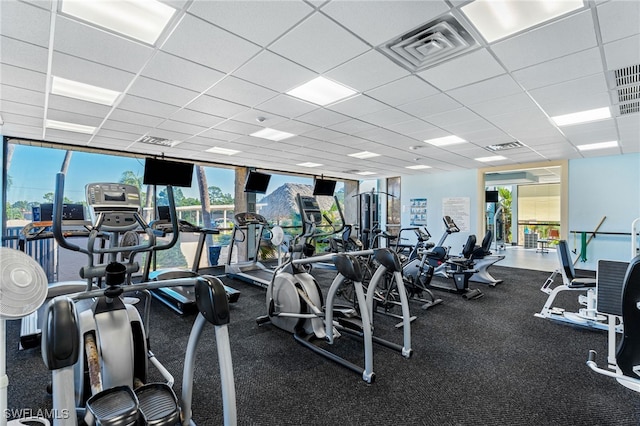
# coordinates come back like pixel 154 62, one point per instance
pixel 630 108
pixel 429 44
pixel 504 146
pixel 626 82
pixel 154 140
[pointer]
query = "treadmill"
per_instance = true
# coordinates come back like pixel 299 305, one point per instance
pixel 249 229
pixel 181 299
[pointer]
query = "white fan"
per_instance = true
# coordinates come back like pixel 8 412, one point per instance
pixel 23 289
pixel 277 238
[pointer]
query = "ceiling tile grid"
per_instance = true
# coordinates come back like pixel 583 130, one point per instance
pixel 221 71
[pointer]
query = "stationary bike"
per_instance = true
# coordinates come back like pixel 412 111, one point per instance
pixel 99 357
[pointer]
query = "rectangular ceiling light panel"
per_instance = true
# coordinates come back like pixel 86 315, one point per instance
pixel 69 127
pixel 496 19
pixel 491 159
pixel 582 117
pixel 364 154
pixel 599 145
pixel 85 92
pixel 322 91
pixel 446 140
pixel 142 20
pixel 310 164
pixel 223 151
pixel 418 167
pixel 272 134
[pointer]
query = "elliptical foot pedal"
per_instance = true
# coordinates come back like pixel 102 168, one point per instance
pixel 158 404
pixel 113 407
pixel 473 294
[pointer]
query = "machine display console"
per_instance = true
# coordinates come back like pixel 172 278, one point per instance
pixel 246 218
pixel 450 224
pixel 117 203
pixel 311 209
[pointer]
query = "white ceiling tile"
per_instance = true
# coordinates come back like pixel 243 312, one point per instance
pixel 426 107
pixel 19 130
pixel 14 16
pixel 492 88
pixel 78 106
pixel 334 47
pixel 386 117
pixel 196 118
pixel 456 72
pixel 622 53
pixel 129 128
pixel 23 55
pixel 573 96
pixel 238 127
pixel 503 105
pixel 215 106
pixel 260 118
pixel 367 71
pixel 161 92
pixel 629 128
pixel 135 104
pixel 18 94
pixel 120 135
pixel 401 91
pixel 258 21
pixel 542 44
pixel 566 68
pixel 323 117
pixel 73 117
pixel 296 127
pixel 205 44
pixel 22 109
pixel 66 137
pixel 357 106
pixel 22 120
pixel 600 131
pixel 181 72
pixel 380 21
pixel 135 118
pixel 88 72
pixel 618 19
pixel 181 127
pixel 411 126
pixel 286 106
pixel 81 40
pixel 107 142
pixel 351 126
pixel 220 135
pixel 324 134
pixel 22 78
pixel 274 72
pixel 241 92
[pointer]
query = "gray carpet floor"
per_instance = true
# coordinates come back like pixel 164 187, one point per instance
pixel 481 362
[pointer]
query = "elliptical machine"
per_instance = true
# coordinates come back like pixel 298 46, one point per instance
pixel 99 357
pixel 295 302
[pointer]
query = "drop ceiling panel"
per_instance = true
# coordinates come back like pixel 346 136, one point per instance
pixel 205 44
pixel 129 128
pixel 66 137
pixel 286 106
pixel 401 91
pixel 220 134
pixel 541 44
pixel 274 72
pixel 23 78
pixel 623 53
pixel 260 22
pixel 238 127
pixel 80 40
pixel 135 104
pixel 83 71
pixel 386 117
pixel 324 135
pixel 177 126
pixel 241 92
pixel 218 107
pixel 357 106
pixel 181 72
pixel 456 72
pixel 196 118
pixel 503 105
pixel 14 14
pixel 296 127
pixel 22 109
pixel 320 54
pixel 23 55
pixel 411 126
pixel 618 19
pixel 73 117
pixel 492 88
pixel 582 102
pixel 593 132
pixel 22 120
pixel 566 68
pixel 135 118
pixel 161 92
pixel 18 94
pixel 251 116
pixel 324 118
pixel 367 71
pixel 575 92
pixel 116 135
pixel 423 108
pixel 19 130
pixel 77 106
pixel 377 22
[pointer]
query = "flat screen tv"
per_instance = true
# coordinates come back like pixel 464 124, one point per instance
pixel 257 182
pixel 165 172
pixel 324 187
pixel 491 196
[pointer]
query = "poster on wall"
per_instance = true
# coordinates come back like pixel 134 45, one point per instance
pixel 418 212
pixel 458 209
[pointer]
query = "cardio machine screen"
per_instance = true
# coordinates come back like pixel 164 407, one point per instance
pixel 115 197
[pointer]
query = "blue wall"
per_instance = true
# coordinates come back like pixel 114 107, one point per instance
pixel 434 188
pixel 604 186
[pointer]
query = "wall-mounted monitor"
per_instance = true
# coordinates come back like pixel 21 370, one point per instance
pixel 324 187
pixel 491 196
pixel 257 182
pixel 165 172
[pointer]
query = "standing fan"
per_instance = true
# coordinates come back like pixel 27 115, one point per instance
pixel 23 289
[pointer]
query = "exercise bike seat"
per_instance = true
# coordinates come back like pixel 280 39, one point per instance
pixel 349 267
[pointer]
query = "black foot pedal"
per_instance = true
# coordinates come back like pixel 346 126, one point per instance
pixel 158 404
pixel 113 407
